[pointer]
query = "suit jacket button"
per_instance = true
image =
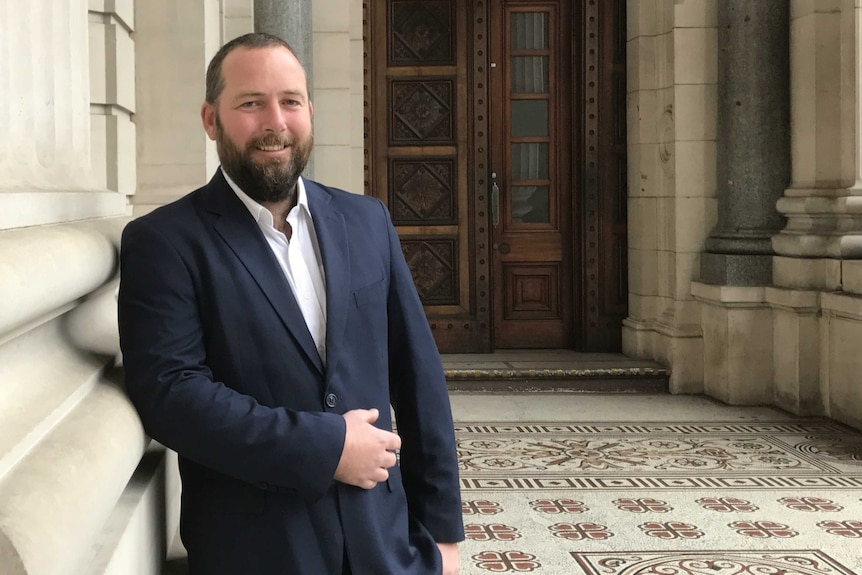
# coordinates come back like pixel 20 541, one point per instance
pixel 331 400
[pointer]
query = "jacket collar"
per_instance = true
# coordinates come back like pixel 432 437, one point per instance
pixel 236 226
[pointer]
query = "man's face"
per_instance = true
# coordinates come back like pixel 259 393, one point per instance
pixel 262 122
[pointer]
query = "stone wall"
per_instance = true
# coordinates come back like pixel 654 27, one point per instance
pixel 671 84
pixel 78 495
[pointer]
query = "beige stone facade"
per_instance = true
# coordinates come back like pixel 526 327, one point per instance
pixel 99 122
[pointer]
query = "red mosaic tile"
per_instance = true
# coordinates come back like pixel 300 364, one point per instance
pixel 763 529
pixel 643 505
pixel 580 531
pixel 491 532
pixel 851 529
pixel 554 506
pixel 480 507
pixel 506 561
pixel 810 504
pixel 726 504
pixel 671 530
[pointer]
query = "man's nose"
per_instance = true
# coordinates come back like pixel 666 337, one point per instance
pixel 274 118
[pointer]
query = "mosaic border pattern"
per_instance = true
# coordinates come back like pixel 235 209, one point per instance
pixel 832 454
pixel 816 426
pixel 797 562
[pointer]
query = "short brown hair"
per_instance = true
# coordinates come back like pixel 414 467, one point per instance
pixel 215 78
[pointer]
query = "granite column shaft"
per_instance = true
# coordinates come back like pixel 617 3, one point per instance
pixel 291 21
pixel 753 140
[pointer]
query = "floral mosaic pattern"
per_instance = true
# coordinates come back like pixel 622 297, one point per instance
pixel 727 504
pixel 671 530
pixel 763 529
pixel 506 562
pixel 643 505
pixel 810 504
pixel 480 507
pixel 580 531
pixel 491 532
pixel 849 529
pixel 555 506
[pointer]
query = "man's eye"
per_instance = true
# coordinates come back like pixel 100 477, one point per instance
pixel 248 104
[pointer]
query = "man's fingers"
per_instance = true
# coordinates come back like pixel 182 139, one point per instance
pixel 368 451
pixel 392 440
pixel 371 415
pixel 378 476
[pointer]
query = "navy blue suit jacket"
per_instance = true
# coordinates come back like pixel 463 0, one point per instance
pixel 221 368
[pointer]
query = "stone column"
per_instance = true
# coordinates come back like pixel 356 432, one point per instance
pixel 753 140
pixel 290 20
pixel 823 205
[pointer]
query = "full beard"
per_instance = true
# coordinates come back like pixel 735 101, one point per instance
pixel 270 181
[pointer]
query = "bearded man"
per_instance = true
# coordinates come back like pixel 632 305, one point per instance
pixel 269 327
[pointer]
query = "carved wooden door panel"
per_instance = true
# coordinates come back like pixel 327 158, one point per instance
pixel 421 116
pixel 531 181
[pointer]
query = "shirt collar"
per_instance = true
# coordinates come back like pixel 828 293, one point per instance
pixel 260 213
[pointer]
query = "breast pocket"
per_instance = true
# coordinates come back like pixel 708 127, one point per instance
pixel 372 294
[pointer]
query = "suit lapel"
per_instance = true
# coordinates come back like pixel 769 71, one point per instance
pixel 239 230
pixel 332 239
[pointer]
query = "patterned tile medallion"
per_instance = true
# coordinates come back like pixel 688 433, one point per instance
pixel 710 563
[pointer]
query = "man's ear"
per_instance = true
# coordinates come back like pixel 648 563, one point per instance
pixel 310 109
pixel 208 115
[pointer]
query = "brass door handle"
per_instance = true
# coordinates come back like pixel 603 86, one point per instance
pixel 495 200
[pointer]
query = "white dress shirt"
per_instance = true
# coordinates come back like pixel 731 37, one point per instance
pixel 299 258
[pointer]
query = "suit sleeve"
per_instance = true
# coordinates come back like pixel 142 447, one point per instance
pixel 179 402
pixel 420 399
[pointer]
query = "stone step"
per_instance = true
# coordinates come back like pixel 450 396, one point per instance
pixel 553 371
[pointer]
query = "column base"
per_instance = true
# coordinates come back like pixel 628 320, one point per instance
pixel 737 343
pixel 735 269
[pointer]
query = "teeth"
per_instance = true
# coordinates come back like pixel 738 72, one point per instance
pixel 271 148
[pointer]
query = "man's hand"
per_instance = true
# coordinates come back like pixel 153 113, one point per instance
pixel 451 560
pixel 368 451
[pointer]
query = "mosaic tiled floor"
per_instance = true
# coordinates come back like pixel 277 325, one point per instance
pixel 777 497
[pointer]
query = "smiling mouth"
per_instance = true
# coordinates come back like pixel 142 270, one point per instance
pixel 274 148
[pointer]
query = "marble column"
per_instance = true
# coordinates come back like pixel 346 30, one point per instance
pixel 753 140
pixel 290 20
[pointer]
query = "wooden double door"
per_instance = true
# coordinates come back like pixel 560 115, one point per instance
pixel 495 134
